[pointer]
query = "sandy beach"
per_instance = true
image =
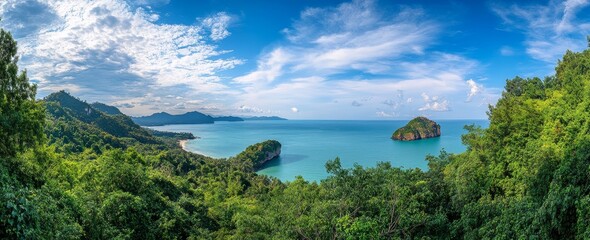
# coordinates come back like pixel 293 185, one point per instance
pixel 183 144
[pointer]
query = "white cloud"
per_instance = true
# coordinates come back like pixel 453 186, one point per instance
pixel 569 10
pixel 396 102
pixel 248 109
pixel 474 89
pixel 124 105
pixel 150 2
pixel 180 105
pixel 425 97
pixel 550 29
pixel 350 36
pixel 153 17
pixel 384 114
pixel 269 68
pixel 194 102
pixel 294 109
pixel 112 48
pixel 434 103
pixel 441 106
pixel 217 25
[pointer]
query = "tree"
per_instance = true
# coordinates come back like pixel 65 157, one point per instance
pixel 21 117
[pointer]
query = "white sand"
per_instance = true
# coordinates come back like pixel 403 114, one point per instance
pixel 183 144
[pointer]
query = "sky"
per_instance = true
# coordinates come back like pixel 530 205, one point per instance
pixel 299 59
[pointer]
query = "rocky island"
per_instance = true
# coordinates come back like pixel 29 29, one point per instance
pixel 260 153
pixel 418 128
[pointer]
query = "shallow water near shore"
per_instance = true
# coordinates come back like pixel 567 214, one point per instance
pixel 308 144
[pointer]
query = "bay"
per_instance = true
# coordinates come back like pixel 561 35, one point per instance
pixel 308 144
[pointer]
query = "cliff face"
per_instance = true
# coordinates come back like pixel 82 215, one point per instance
pixel 272 154
pixel 418 128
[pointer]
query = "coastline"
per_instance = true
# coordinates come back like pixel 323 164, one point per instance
pixel 182 144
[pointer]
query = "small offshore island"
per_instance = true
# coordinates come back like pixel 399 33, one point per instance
pixel 418 128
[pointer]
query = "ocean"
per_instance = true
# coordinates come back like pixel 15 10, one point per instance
pixel 308 144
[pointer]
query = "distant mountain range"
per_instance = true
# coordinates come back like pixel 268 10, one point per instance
pixel 163 118
pixel 228 119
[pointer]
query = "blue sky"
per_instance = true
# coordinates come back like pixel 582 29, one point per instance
pixel 300 59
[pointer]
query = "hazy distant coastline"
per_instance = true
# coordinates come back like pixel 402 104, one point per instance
pixel 194 117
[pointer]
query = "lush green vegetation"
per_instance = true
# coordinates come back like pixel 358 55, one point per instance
pixel 81 173
pixel 417 128
pixel 21 118
pixel 106 108
pixel 260 153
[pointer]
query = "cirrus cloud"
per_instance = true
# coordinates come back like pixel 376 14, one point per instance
pixel 334 57
pixel 550 29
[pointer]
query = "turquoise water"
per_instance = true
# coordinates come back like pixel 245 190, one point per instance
pixel 307 145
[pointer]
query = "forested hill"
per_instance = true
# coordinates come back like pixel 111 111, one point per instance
pixel 74 124
pixel 106 108
pixel 78 114
pixel 525 177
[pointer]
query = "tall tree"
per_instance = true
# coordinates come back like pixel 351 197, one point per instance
pixel 21 117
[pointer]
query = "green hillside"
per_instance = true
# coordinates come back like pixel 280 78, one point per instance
pixel 74 125
pixel 106 108
pixel 61 105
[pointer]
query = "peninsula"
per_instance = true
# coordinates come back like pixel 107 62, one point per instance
pixel 260 153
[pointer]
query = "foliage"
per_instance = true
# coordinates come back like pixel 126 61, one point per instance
pixel 259 153
pixel 21 117
pixel 173 135
pixel 106 108
pixel 417 128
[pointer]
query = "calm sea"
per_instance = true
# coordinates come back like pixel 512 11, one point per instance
pixel 308 144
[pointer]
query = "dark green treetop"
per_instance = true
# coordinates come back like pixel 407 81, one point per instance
pixel 21 117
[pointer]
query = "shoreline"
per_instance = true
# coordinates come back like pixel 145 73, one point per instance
pixel 182 144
